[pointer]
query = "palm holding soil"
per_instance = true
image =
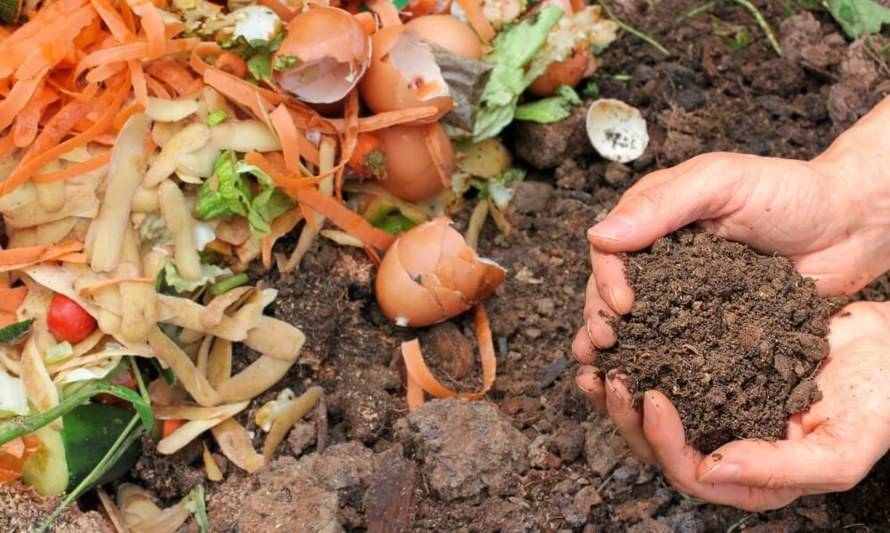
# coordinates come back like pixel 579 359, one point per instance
pixel 826 215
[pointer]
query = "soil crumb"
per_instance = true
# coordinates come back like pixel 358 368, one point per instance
pixel 731 336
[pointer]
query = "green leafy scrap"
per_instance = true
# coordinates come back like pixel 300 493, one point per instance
pixel 283 63
pixel 858 17
pixel 14 332
pixel 552 109
pixel 514 49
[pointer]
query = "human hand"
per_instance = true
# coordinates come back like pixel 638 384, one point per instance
pixel 831 216
pixel 829 448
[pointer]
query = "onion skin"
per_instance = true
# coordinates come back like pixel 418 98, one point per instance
pixel 449 32
pixel 383 88
pixel 410 167
pixel 430 275
pixel 569 72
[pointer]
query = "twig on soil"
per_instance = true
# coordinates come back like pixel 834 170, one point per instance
pixel 696 11
pixel 633 31
pixel 758 17
pixel 321 422
pixel 739 524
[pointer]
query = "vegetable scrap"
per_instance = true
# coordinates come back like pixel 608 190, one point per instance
pixel 153 151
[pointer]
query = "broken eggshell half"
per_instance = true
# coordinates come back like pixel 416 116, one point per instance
pixel 419 160
pixel 616 130
pixel 403 74
pixel 324 55
pixel 430 274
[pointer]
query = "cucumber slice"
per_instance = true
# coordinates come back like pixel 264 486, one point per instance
pixel 90 431
pixel 47 470
pixel 10 10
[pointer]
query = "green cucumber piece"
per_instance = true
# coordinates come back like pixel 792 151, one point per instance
pixel 89 432
pixel 10 10
pixel 14 332
pixel 46 470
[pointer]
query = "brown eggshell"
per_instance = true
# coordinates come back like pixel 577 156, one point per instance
pixel 384 87
pixel 449 32
pixel 410 167
pixel 567 72
pixel 326 40
pixel 430 275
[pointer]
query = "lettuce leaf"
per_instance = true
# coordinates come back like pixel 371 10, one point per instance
pixel 229 193
pixel 552 109
pixel 514 48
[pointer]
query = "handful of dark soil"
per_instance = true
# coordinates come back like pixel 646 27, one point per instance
pixel 731 336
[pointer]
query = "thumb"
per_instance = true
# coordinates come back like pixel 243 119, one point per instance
pixel 667 200
pixel 818 462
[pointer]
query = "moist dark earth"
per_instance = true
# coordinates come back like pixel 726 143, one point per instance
pixel 533 456
pixel 731 336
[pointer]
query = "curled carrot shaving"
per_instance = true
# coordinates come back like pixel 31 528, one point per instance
pixel 473 10
pixel 11 298
pixel 125 115
pixel 389 118
pixel 7 145
pixel 231 64
pixel 18 98
pixel 171 72
pixel 420 376
pixel 137 77
pixel 113 20
pixel 440 161
pixel 257 100
pixel 288 136
pixel 13 456
pixel 153 25
pixel 157 88
pixel 18 258
pixel 75 170
pixel 26 124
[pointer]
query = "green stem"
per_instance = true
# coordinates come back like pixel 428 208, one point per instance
pixel 692 13
pixel 139 381
pixel 127 437
pixel 228 284
pixel 758 17
pixel 23 425
pixel 633 31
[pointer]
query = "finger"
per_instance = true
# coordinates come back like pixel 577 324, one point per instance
pixel 702 189
pixel 583 348
pixel 591 384
pixel 679 461
pixel 597 315
pixel 611 282
pixel 629 420
pixel 820 462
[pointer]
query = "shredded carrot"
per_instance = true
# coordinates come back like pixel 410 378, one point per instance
pixel 125 115
pixel 473 10
pixel 196 60
pixel 7 319
pixel 440 161
pixel 127 52
pixel 89 290
pixel 18 98
pixel 74 257
pixel 153 25
pixel 157 88
pixel 288 137
pixel 11 299
pixel 18 258
pixel 37 161
pixel 414 392
pixel 75 170
pixel 231 63
pixel 171 425
pixel 113 19
pixel 137 77
pixel 13 456
pixel 7 145
pixel 240 91
pixel 280 175
pixel 26 123
pixel 421 376
pixel 390 118
pixel 171 72
pixel 104 72
pixel 349 221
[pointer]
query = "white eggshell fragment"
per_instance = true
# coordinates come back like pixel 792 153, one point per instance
pixel 616 130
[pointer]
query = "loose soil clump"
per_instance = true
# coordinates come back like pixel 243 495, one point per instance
pixel 733 337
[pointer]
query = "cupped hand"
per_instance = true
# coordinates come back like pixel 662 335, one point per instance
pixel 829 448
pixel 830 223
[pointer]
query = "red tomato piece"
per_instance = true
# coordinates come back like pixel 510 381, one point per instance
pixel 68 321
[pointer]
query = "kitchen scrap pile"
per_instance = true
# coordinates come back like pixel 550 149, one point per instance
pixel 151 151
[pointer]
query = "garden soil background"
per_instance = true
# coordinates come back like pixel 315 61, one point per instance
pixel 534 457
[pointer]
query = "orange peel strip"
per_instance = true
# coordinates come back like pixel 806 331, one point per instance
pixel 419 374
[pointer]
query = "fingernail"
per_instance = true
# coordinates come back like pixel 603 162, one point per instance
pixel 721 473
pixel 616 397
pixel 613 229
pixel 586 381
pixel 589 334
pixel 650 411
pixel 613 303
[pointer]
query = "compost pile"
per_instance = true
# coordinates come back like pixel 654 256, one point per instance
pixel 733 337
